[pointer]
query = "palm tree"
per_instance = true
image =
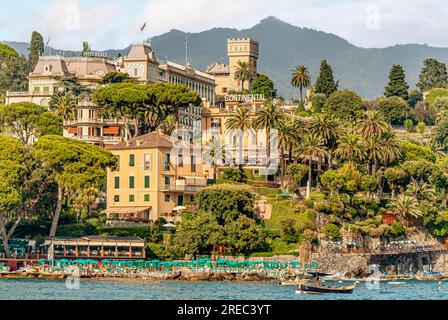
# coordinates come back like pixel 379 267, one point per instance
pixel 300 79
pixel 328 128
pixel 168 125
pixel 243 73
pixel 420 191
pixel 240 120
pixel 373 154
pixel 267 118
pixel 391 149
pixel 286 136
pixel 214 154
pixel 63 105
pixel 312 146
pixel 350 147
pixel 405 206
pixel 373 125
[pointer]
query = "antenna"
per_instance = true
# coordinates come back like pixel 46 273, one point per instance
pixel 186 48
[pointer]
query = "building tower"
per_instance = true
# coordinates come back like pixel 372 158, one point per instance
pixel 245 50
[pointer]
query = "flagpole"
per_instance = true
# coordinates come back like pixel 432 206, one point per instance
pixel 186 49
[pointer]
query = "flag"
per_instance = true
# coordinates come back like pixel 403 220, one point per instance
pixel 143 27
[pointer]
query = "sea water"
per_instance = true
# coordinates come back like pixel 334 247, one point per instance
pixel 36 289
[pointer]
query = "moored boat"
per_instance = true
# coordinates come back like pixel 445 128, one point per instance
pixel 308 288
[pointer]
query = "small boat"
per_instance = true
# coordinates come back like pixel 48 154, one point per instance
pixel 316 289
pixel 320 274
pixel 396 282
pixel 294 283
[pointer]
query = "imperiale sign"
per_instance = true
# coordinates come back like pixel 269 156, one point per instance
pixel 244 97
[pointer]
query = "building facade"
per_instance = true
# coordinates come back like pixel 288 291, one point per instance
pixel 150 180
pixel 238 49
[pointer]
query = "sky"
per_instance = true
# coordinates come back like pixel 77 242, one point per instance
pixel 114 24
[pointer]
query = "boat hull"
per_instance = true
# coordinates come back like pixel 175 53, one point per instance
pixel 304 288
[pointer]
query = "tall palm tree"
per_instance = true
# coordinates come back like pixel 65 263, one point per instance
pixel 373 124
pixel 350 147
pixel 420 190
pixel 405 206
pixel 328 128
pixel 240 120
pixel 286 137
pixel 63 104
pixel 390 145
pixel 267 118
pixel 373 153
pixel 243 73
pixel 300 79
pixel 214 154
pixel 312 146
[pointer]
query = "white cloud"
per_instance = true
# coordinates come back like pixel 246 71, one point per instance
pixel 115 24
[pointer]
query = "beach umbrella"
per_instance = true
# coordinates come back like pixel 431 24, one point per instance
pixel 179 208
pixel 169 225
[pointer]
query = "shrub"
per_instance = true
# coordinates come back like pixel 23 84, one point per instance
pixel 408 125
pixel 309 203
pixel 288 231
pixel 227 202
pixel 421 127
pixel 332 231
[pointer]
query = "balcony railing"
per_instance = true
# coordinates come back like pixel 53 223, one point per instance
pixel 114 139
pixel 93 121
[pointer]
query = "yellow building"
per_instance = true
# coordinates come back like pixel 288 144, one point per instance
pixel 151 179
pixel 238 49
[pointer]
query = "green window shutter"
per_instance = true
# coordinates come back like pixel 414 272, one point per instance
pixel 147 198
pixel 132 160
pixel 131 198
pixel 117 182
pixel 131 182
pixel 147 182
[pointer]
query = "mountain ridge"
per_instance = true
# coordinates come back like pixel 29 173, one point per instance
pixel 283 46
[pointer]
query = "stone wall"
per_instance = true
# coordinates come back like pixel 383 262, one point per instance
pixel 357 264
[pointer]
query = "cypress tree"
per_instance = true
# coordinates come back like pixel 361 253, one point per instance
pixel 36 49
pixel 325 82
pixel 433 75
pixel 397 86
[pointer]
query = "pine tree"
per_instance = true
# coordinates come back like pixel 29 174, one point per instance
pixel 433 75
pixel 36 49
pixel 325 82
pixel 397 86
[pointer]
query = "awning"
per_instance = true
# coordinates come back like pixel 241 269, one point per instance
pixel 115 210
pixel 73 130
pixel 111 130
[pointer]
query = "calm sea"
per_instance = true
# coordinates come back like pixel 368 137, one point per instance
pixel 32 289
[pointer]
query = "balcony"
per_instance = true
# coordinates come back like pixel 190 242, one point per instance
pixel 187 185
pixel 104 122
pixel 94 139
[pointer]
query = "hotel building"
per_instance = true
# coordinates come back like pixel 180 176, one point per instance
pixel 150 180
pixel 238 49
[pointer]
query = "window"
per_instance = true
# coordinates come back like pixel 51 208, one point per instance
pixel 180 162
pixel 147 182
pixel 46 89
pixel 147 198
pixel 166 165
pixel 117 166
pixel 117 198
pixel 193 164
pixel 117 182
pixel 167 183
pixel 132 160
pixel 36 89
pixel 147 162
pixel 131 182
pixel 131 198
pixel 167 198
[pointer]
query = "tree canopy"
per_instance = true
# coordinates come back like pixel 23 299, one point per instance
pixel 25 120
pixel 325 82
pixel 264 85
pixel 345 105
pixel 433 75
pixel 397 86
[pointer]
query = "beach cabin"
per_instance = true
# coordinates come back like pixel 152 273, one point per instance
pixel 96 247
